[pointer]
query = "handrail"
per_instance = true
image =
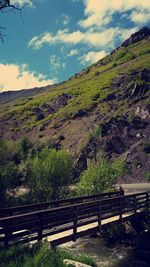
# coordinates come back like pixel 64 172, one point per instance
pixel 56 203
pixel 57 209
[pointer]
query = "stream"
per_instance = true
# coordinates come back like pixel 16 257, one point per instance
pixel 104 254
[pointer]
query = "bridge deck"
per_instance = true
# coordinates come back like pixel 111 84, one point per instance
pixel 90 226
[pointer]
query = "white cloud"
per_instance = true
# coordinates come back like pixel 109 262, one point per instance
pixel 38 41
pixel 92 57
pixel 126 33
pixel 91 38
pixel 55 63
pixel 22 3
pixel 99 13
pixel 140 17
pixel 15 77
pixel 65 19
pixel 73 52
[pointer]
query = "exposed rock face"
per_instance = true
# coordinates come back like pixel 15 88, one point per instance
pixel 138 36
pixel 143 112
pixel 134 85
pixel 81 163
pixel 80 113
pixel 121 137
pixel 53 105
pixel 38 113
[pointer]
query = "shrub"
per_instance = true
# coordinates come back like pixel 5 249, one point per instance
pixel 40 255
pixel 8 171
pixel 100 177
pixel 23 148
pixel 146 148
pixel 148 176
pixel 49 172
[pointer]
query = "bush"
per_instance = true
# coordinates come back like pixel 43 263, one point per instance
pixel 49 172
pixel 8 171
pixel 23 148
pixel 148 176
pixel 100 177
pixel 114 233
pixel 146 148
pixel 40 255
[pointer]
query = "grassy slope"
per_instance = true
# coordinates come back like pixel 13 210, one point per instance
pixel 88 89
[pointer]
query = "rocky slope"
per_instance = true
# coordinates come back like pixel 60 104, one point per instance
pixel 106 107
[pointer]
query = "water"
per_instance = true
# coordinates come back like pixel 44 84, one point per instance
pixel 103 254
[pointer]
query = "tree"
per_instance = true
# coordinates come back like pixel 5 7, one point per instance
pixel 7 4
pixel 100 177
pixel 23 147
pixel 8 171
pixel 4 5
pixel 49 172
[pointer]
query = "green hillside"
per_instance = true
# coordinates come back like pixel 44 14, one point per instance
pixel 70 112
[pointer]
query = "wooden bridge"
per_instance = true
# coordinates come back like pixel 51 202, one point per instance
pixel 65 220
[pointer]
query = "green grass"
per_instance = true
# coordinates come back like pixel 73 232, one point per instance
pixel 89 88
pixel 40 255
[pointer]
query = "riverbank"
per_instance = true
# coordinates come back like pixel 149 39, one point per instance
pixel 105 254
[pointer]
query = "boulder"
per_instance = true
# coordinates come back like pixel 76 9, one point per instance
pixel 38 113
pixel 143 112
pixel 75 263
pixel 115 144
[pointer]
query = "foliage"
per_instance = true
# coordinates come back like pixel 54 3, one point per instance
pixel 23 147
pixel 40 255
pixel 48 174
pixel 8 171
pixel 80 258
pixel 148 176
pixel 100 130
pixel 114 233
pixel 146 148
pixel 100 177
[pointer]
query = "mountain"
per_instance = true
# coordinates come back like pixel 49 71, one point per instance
pixel 105 107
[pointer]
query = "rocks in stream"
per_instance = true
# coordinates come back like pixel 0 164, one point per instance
pixel 75 263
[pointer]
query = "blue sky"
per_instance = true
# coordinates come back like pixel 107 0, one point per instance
pixel 52 40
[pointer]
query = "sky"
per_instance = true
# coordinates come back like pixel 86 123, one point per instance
pixel 51 40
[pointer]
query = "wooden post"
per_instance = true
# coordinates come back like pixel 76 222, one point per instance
pixel 120 209
pixel 40 228
pixel 75 221
pixel 135 204
pixel 147 201
pixel 6 237
pixel 121 190
pixel 99 216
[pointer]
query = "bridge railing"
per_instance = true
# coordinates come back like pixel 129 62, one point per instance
pixel 63 224
pixel 57 203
